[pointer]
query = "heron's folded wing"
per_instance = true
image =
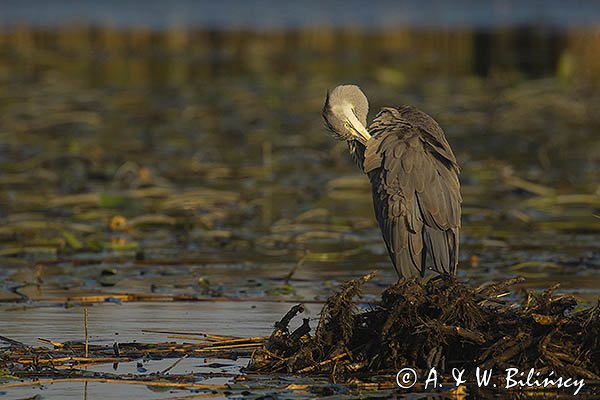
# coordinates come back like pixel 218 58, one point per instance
pixel 416 197
pixel 438 202
pixel 404 247
pixel 430 132
pixel 394 201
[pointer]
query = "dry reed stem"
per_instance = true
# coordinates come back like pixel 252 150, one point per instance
pixel 174 364
pixel 78 359
pixel 50 342
pixel 233 346
pixel 332 359
pixel 85 323
pixel 222 342
pixel 132 297
pixel 120 381
pixel 206 335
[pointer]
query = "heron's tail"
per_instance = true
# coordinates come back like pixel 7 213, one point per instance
pixel 404 264
pixel 442 249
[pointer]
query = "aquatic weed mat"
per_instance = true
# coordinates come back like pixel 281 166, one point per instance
pixel 440 323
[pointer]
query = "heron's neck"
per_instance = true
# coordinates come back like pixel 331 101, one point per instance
pixel 357 152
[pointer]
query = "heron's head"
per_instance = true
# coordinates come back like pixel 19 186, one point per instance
pixel 345 113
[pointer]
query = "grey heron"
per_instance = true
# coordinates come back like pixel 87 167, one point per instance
pixel 413 175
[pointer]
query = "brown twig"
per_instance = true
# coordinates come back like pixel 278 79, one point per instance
pixel 51 342
pixel 12 341
pixel 85 323
pixel 206 335
pixel 174 364
pixel 322 363
pixel 119 381
pixel 95 360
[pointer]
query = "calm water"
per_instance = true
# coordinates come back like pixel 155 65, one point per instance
pixel 193 163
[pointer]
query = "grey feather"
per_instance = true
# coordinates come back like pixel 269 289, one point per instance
pixel 416 192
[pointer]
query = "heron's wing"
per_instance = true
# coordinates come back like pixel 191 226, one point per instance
pixel 416 194
pixel 431 133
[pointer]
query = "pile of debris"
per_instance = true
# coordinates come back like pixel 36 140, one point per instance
pixel 440 323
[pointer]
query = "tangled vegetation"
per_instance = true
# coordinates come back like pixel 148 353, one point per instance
pixel 440 323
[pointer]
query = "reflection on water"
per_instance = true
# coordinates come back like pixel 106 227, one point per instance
pixel 193 164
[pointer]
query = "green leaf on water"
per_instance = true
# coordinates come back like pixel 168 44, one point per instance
pixel 5 374
pixel 72 240
pixel 282 290
pixel 120 246
pixel 108 271
pixel 109 200
pixel 94 244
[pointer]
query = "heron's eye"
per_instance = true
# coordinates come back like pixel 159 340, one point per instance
pixel 347 125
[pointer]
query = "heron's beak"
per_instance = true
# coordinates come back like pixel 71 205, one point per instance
pixel 361 133
pixel 358 128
